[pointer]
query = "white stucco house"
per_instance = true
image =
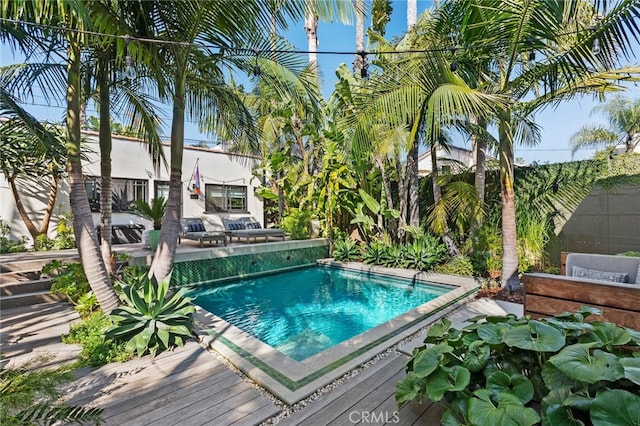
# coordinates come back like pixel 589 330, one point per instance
pixel 226 186
pixel 454 160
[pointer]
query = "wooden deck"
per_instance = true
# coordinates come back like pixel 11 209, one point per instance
pixel 189 386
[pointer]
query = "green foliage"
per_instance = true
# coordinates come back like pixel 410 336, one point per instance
pixel 374 253
pixel 631 253
pixel 496 369
pixel 96 349
pixel 297 223
pixel 394 256
pixel 534 233
pixel 346 250
pixel 32 398
pixel 64 238
pixel 153 212
pixel 6 245
pixel 151 319
pixel 67 279
pixel 458 265
pixel 424 254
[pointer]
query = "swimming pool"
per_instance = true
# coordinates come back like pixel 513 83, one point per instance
pixel 301 313
pixel 293 379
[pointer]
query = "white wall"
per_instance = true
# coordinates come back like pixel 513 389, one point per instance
pixel 130 160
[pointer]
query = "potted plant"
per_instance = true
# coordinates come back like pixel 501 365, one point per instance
pixel 154 212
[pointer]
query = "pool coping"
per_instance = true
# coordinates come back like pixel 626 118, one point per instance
pixel 292 381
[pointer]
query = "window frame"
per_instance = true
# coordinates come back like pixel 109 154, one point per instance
pixel 225 197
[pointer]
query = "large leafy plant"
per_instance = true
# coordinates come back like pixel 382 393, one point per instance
pixel 507 371
pixel 151 319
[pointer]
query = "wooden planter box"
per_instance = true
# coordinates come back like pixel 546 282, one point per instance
pixel 548 295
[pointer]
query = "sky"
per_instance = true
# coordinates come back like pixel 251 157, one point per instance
pixel 557 124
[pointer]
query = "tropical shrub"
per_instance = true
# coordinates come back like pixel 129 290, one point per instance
pixel 31 397
pixel 424 254
pixel 457 265
pixel 64 238
pixel 374 253
pixel 96 349
pixel 153 211
pixel 297 224
pixel 151 319
pixel 6 245
pixel 346 250
pixel 499 369
pixel 67 279
pixel 393 256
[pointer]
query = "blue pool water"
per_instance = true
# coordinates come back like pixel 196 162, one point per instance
pixel 303 312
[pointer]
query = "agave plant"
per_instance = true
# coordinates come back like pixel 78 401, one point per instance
pixel 423 255
pixel 393 256
pixel 374 253
pixel 346 250
pixel 151 319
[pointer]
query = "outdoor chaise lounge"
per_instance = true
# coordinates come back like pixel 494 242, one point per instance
pixel 607 282
pixel 247 228
pixel 193 229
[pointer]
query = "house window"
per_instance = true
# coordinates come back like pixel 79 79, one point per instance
pixel 225 198
pixel 124 192
pixel 161 189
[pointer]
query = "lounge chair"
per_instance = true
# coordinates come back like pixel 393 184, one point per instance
pixel 247 228
pixel 193 229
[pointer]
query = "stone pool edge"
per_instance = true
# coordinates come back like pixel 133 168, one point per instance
pixel 292 381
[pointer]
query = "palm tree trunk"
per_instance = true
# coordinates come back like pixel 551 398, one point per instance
pixel 165 254
pixel 414 185
pixel 509 237
pixel 412 13
pixel 83 227
pixel 403 189
pixel 480 147
pixel 452 248
pixel 311 28
pixel 105 163
pixel 359 61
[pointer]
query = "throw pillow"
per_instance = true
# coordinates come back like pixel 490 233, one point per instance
pixel 616 277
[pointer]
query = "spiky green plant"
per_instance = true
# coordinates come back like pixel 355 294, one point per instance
pixel 153 212
pixel 151 319
pixel 346 250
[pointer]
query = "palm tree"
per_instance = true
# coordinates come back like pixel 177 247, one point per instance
pixel 624 127
pixel 562 31
pixel 76 17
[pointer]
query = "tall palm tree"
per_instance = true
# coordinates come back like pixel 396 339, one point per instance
pixel 76 18
pixel 624 127
pixel 562 31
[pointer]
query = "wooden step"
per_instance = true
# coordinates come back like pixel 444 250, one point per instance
pixel 19 276
pixel 17 288
pixel 28 299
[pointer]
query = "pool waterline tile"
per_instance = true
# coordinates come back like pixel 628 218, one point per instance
pixel 292 380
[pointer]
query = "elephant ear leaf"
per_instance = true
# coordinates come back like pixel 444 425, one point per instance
pixel 579 363
pixel 616 407
pixel 535 336
pixel 631 367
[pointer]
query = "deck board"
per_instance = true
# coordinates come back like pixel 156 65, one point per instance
pixel 189 386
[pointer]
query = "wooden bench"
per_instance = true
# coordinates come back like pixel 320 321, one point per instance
pixel 548 295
